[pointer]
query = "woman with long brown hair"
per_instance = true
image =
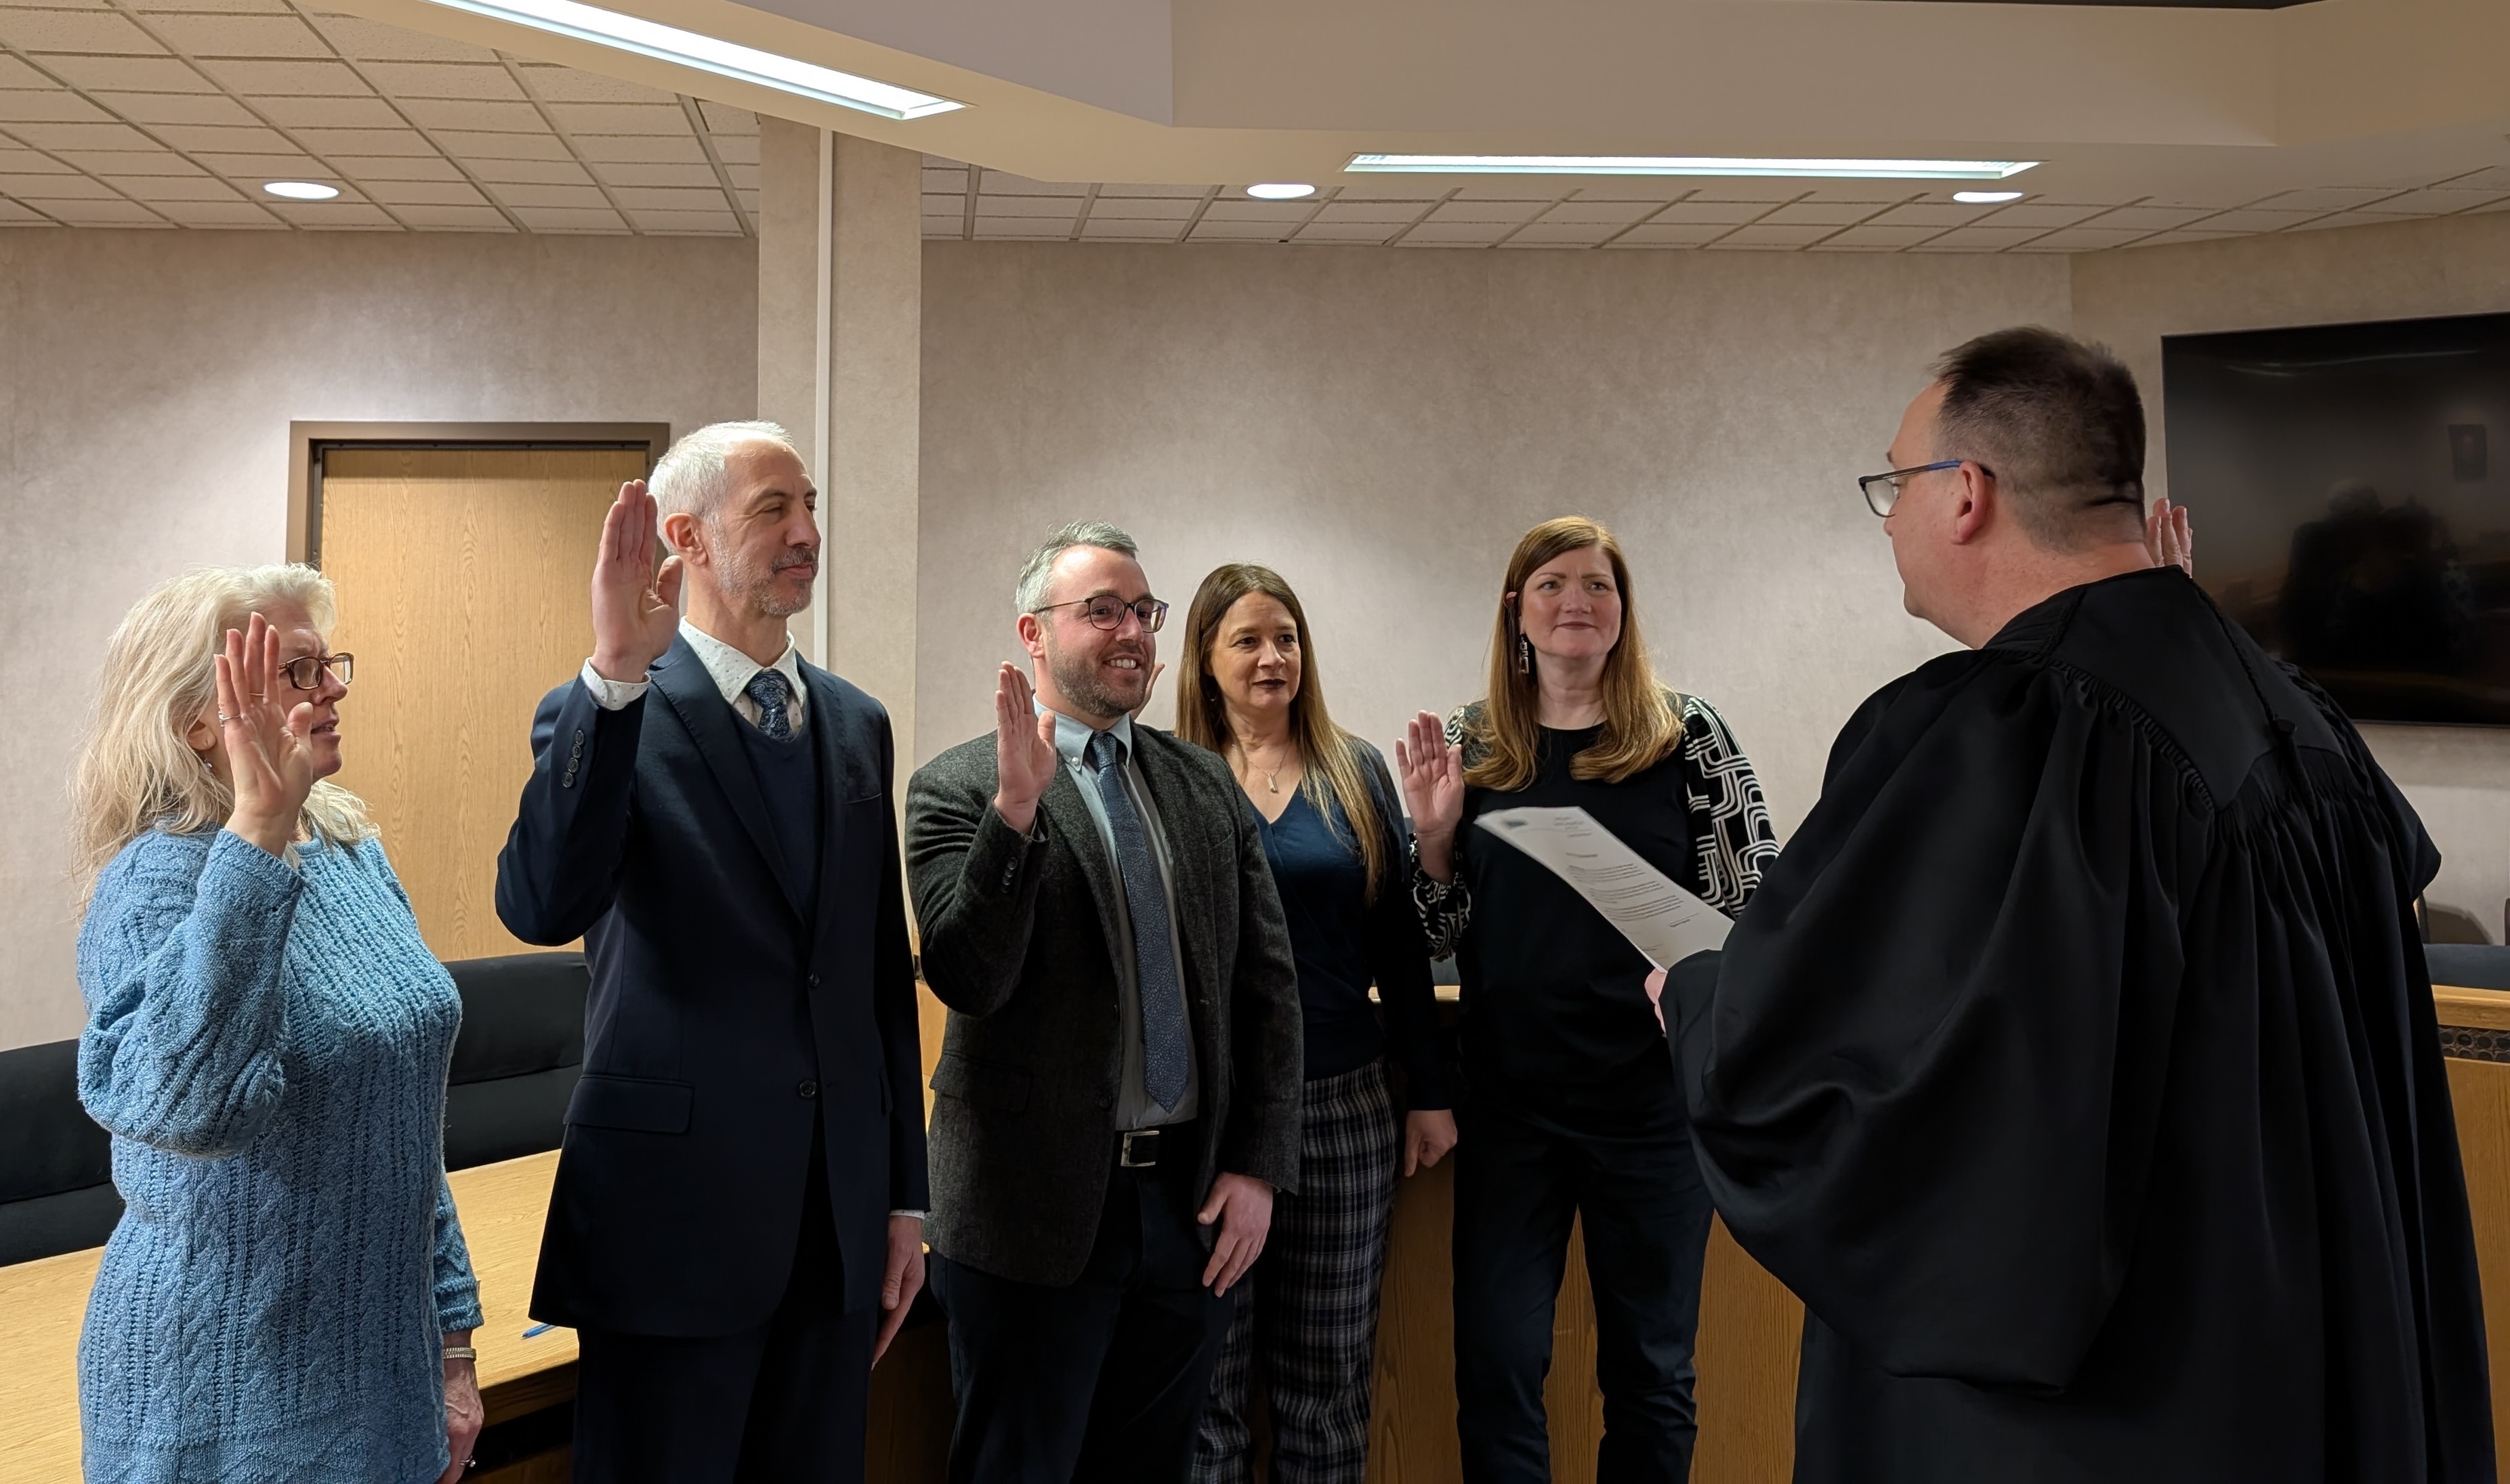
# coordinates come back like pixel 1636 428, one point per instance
pixel 1247 689
pixel 1569 1098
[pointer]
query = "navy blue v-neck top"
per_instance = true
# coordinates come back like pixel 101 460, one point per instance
pixel 1344 943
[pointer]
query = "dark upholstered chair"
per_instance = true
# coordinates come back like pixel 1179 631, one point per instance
pixel 521 1051
pixel 57 1190
pixel 2469 965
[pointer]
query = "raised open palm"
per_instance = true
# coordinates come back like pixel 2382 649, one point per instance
pixel 1432 776
pixel 2168 538
pixel 635 607
pixel 1024 755
pixel 271 761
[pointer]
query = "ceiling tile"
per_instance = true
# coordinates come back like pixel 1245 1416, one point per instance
pixel 716 223
pixel 1455 234
pixel 1241 231
pixel 941 226
pixel 143 74
pixel 103 213
pixel 16 74
pixel 455 218
pixel 240 35
pixel 398 167
pixel 1140 191
pixel 335 215
pixel 2502 204
pixel 1861 192
pixel 744 176
pixel 1040 208
pixel 224 214
pixel 2252 222
pixel 300 79
pixel 1717 214
pixel 175 107
pixel 1030 227
pixel 527 195
pixel 2324 198
pixel 278 167
pixel 12 214
pixel 620 118
pixel 57 188
pixel 640 148
pixel 80 137
pixel 1282 212
pixel 1133 209
pixel 2040 215
pixel 1987 238
pixel 89 31
pixel 1347 231
pixel 2495 177
pixel 502 116
pixel 1930 213
pixel 723 119
pixel 1500 212
pixel 464 145
pixel 2090 238
pixel 223 138
pixel 1811 214
pixel 329 112
pixel 662 175
pixel 373 40
pixel 157 188
pixel 1657 188
pixel 736 149
pixel 565 84
pixel 430 193
pixel 1745 188
pixel 1767 234
pixel 936 204
pixel 2351 219
pixel 226 7
pixel 1387 188
pixel 2439 202
pixel 60 106
pixel 642 200
pixel 2145 218
pixel 1619 213
pixel 1005 183
pixel 17 161
pixel 364 141
pixel 1534 189
pixel 749 201
pixel 530 171
pixel 1547 233
pixel 954 178
pixel 130 162
pixel 2190 236
pixel 1130 230
pixel 1881 238
pixel 427 79
pixel 1388 213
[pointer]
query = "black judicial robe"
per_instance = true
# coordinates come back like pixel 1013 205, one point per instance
pixel 2077 1066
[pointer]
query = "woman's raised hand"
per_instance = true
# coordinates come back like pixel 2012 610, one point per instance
pixel 636 608
pixel 271 764
pixel 1024 755
pixel 1434 790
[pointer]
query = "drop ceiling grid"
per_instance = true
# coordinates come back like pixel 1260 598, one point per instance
pixel 173 112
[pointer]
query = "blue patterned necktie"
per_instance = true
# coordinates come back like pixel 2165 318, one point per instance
pixel 1155 968
pixel 767 690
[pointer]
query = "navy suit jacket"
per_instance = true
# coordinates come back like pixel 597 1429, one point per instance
pixel 717 1030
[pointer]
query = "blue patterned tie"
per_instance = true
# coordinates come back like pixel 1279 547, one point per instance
pixel 767 688
pixel 1154 970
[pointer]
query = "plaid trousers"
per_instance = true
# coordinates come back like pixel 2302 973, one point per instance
pixel 1308 1309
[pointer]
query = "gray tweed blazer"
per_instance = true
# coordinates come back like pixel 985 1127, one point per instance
pixel 1018 941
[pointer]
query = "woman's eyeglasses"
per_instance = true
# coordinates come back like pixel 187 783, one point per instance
pixel 306 673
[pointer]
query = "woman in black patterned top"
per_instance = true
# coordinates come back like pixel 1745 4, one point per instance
pixel 1571 1106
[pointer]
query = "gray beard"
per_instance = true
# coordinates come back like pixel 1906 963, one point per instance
pixel 747 586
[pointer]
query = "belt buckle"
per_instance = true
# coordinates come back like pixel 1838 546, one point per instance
pixel 1149 1144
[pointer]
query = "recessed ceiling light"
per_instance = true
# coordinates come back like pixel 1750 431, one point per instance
pixel 710 54
pixel 1281 190
pixel 301 190
pixel 1986 198
pixel 1686 165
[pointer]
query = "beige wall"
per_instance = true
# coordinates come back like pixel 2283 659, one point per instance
pixel 2459 778
pixel 146 384
pixel 1381 424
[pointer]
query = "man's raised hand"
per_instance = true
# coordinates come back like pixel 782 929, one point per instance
pixel 2168 539
pixel 636 608
pixel 1024 755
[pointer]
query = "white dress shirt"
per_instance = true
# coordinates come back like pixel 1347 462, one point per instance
pixel 732 671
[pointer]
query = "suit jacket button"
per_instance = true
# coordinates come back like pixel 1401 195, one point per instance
pixel 813 981
pixel 807 1089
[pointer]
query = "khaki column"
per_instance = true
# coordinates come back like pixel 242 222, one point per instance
pixel 840 365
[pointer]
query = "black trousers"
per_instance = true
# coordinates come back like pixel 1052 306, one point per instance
pixel 783 1403
pixel 1525 1166
pixel 1103 1381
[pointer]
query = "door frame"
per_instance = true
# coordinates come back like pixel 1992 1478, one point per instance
pixel 308 441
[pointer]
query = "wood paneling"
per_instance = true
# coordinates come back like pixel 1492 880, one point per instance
pixel 2481 1092
pixel 464 579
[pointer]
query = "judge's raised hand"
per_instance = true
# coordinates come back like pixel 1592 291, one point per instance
pixel 1433 774
pixel 1024 755
pixel 636 608
pixel 271 761
pixel 2168 539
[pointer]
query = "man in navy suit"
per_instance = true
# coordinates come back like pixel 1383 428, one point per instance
pixel 736 1228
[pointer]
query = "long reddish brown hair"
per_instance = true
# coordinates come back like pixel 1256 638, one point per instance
pixel 1641 728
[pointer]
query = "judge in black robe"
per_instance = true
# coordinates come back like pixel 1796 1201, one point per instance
pixel 2077 1066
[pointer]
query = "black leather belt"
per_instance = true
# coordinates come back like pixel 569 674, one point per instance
pixel 1138 1149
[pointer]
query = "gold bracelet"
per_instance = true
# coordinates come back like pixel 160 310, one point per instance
pixel 460 1352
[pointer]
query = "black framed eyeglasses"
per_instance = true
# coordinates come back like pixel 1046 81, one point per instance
pixel 1107 611
pixel 306 673
pixel 1882 490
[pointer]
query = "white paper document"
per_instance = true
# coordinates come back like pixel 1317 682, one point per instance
pixel 1663 920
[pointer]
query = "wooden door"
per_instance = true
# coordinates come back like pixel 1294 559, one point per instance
pixel 464 577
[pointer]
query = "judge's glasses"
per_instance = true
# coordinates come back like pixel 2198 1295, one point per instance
pixel 1882 490
pixel 1107 611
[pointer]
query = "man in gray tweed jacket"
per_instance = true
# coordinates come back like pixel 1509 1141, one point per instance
pixel 1119 1091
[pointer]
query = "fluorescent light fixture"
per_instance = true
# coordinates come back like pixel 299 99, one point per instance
pixel 1986 198
pixel 1281 190
pixel 709 54
pixel 1686 165
pixel 300 190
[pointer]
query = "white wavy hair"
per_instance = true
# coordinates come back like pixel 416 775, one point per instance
pixel 136 773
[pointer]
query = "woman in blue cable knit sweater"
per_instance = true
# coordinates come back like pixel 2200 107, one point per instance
pixel 287 1296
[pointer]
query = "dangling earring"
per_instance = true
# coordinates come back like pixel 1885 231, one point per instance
pixel 1524 655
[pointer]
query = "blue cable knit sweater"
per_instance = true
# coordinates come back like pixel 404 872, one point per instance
pixel 268 1047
